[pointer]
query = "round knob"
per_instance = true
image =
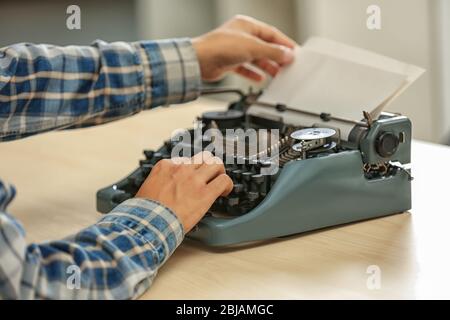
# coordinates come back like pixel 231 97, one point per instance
pixel 313 134
pixel 387 144
pixel 224 119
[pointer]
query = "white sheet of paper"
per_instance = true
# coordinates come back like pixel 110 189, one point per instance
pixel 365 57
pixel 319 82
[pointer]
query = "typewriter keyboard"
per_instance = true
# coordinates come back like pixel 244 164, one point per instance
pixel 250 185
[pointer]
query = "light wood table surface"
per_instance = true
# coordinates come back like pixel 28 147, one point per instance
pixel 57 175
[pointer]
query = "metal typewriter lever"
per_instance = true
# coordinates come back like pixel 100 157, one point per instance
pixel 402 167
pixel 211 91
pixel 248 98
pixel 252 98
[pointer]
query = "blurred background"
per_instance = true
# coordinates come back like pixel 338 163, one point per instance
pixel 414 31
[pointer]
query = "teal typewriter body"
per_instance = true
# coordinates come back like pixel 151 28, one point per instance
pixel 348 177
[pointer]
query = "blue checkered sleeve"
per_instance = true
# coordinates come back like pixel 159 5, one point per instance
pixel 46 88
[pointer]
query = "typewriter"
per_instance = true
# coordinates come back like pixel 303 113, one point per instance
pixel 320 171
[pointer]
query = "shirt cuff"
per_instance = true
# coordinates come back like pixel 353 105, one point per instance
pixel 171 71
pixel 157 224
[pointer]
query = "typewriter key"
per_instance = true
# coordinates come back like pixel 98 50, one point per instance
pixel 224 119
pixel 149 154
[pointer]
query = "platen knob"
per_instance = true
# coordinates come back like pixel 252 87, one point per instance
pixel 387 144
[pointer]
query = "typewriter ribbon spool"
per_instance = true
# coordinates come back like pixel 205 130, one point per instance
pixel 312 139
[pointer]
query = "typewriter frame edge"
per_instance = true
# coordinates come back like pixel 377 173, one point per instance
pixel 334 192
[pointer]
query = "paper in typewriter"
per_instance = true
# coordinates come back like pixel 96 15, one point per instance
pixel 344 81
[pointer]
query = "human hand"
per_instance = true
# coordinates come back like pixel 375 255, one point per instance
pixel 239 42
pixel 188 186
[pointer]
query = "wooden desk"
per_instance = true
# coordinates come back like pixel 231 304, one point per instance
pixel 58 174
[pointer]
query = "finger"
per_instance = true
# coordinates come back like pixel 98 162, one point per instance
pixel 247 72
pixel 209 172
pixel 268 66
pixel 266 32
pixel 279 54
pixel 198 159
pixel 273 35
pixel 181 160
pixel 220 186
pixel 212 159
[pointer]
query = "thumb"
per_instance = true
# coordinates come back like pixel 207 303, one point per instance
pixel 278 53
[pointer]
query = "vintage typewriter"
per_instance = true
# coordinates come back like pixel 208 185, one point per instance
pixel 329 171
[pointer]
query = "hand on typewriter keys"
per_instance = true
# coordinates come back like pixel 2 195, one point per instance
pixel 188 186
pixel 240 41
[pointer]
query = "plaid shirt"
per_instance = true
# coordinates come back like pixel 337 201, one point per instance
pixel 43 88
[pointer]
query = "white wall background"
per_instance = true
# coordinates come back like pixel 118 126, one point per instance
pixel 405 35
pixel 416 31
pixel 44 21
pixel 174 18
pixel 442 68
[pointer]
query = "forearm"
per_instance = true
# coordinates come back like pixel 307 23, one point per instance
pixel 45 87
pixel 118 257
